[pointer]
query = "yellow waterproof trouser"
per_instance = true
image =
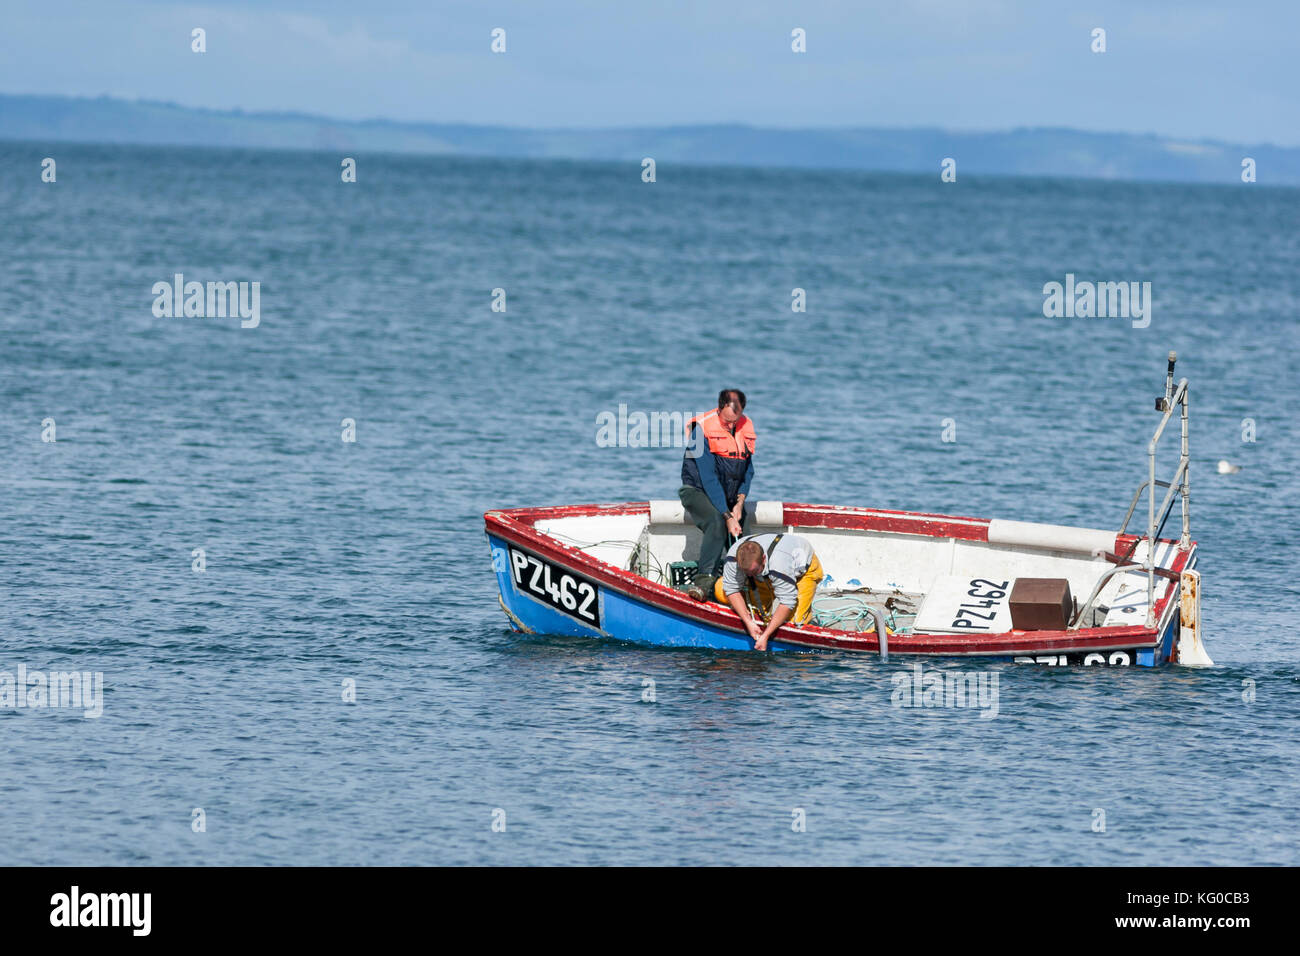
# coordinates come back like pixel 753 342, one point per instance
pixel 807 587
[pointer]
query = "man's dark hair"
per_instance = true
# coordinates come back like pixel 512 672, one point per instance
pixel 726 393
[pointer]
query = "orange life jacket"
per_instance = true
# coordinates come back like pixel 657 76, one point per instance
pixel 723 442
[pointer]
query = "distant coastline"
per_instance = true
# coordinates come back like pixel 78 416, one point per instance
pixel 1020 152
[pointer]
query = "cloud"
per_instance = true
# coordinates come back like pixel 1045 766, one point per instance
pixel 351 44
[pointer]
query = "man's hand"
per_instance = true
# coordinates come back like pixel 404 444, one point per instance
pixel 737 602
pixel 733 525
pixel 782 614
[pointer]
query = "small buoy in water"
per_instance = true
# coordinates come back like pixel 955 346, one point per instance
pixel 1228 468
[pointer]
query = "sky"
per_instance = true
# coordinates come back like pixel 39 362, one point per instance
pixel 1183 68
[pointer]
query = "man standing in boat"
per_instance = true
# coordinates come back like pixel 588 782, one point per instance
pixel 778 567
pixel 716 471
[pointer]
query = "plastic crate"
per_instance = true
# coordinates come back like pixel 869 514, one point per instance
pixel 682 573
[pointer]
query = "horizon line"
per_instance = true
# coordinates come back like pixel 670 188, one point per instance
pixel 719 124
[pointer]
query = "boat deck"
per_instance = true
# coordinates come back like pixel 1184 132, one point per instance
pixel 891 568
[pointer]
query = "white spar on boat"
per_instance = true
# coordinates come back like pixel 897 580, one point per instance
pixel 1191 649
pixel 1049 537
pixel 765 513
pixel 1019 534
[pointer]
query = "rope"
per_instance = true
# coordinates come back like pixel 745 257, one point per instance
pixel 856 611
pixel 655 565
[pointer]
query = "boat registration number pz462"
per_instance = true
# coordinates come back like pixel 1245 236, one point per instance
pixel 563 590
pixel 962 605
pixel 985 602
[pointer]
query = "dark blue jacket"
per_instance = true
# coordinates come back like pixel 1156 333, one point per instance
pixel 722 479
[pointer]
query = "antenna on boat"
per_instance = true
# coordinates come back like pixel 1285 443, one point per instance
pixel 1162 404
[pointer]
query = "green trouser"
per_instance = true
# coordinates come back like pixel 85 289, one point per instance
pixel 713 525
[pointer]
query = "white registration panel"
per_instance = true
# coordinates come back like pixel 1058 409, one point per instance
pixel 962 605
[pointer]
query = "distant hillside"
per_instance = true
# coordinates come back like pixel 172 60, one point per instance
pixel 1037 152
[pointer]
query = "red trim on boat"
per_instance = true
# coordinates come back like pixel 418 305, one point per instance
pixel 899 522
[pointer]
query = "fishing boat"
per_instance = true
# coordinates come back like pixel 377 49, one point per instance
pixel 896 582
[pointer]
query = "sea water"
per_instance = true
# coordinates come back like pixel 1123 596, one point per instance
pixel 269 542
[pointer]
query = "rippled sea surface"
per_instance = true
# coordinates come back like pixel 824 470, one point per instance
pixel 328 562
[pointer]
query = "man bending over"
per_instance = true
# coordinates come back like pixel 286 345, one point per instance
pixel 782 569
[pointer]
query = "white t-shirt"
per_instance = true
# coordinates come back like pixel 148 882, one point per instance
pixel 787 564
